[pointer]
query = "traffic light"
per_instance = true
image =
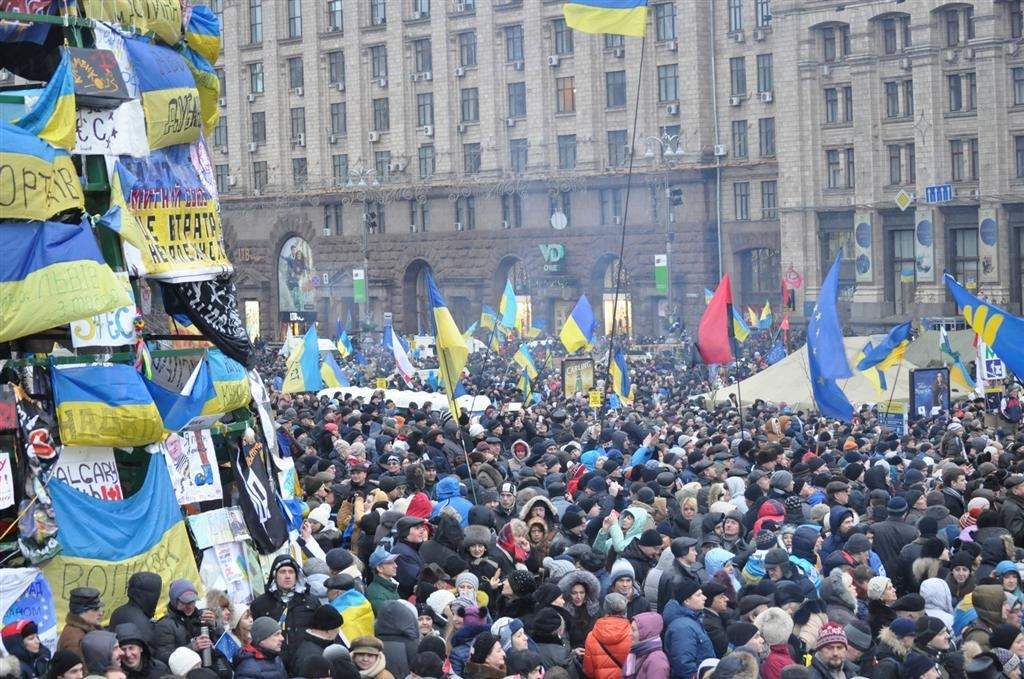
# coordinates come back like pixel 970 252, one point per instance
pixel 676 196
pixel 370 218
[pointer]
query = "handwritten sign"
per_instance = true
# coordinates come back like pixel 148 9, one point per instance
pixel 6 481
pixel 110 329
pixel 595 398
pixel 117 131
pixel 91 471
pixel 192 465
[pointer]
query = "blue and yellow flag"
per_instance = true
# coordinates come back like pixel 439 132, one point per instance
pixel 102 541
pixel 958 372
pixel 907 274
pixel 178 410
pixel 619 371
pixel 469 331
pixel 873 375
pixel 344 344
pixel 207 85
pixel 752 317
pixel 203 32
pixel 708 294
pixel 332 374
pixel 578 331
pixel 449 346
pixel 999 329
pixel 507 305
pixel 525 385
pixel 488 317
pixel 39 181
pixel 230 384
pixel 105 405
pixel 118 218
pixel 170 100
pixel 620 17
pixel 51 274
pixel 740 329
pixel 356 614
pixel 765 321
pixel 536 329
pixel 303 368
pixel 525 360
pixel 52 118
pixel 889 351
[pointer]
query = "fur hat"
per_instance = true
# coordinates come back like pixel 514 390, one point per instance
pixel 476 535
pixel 775 624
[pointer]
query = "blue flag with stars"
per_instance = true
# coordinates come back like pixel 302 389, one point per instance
pixel 826 353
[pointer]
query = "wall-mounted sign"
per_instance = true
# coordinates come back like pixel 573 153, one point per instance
pixel 554 256
pixel 295 276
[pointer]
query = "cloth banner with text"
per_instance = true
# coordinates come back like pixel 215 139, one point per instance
pixel 160 17
pixel 92 471
pixel 37 181
pixel 25 595
pixel 212 307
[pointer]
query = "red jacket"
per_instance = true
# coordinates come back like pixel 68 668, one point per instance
pixel 606 648
pixel 778 659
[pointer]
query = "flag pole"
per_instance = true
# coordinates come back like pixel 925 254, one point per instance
pixel 892 392
pixel 625 215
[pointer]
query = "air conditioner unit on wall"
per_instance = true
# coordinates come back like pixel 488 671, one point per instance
pixel 720 150
pixel 297 91
pixel 672 45
pixel 735 101
pixel 250 97
pixel 253 147
pixel 672 109
pixel 373 136
pixel 505 224
pixel 518 65
pixel 553 60
pixel 767 97
pixel 382 81
pixel 738 36
pixel 460 128
pixel 460 72
pixel 458 226
pixel 413 228
pixel 332 139
pixel 428 130
pixel 760 34
pixel 619 52
pixel 510 122
pixel 340 86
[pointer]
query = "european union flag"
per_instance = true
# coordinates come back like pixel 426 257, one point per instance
pixel 776 353
pixel 826 353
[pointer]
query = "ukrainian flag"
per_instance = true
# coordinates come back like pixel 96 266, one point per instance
pixel 873 375
pixel 889 351
pixel 170 100
pixel 118 217
pixel 536 329
pixel 177 410
pixel 344 344
pixel 207 85
pixel 958 372
pixel 488 317
pixel 51 274
pixel 203 32
pixel 578 331
pixel 755 321
pixel 451 349
pixel 525 360
pixel 999 329
pixel 39 181
pixel 105 405
pixel 469 331
pixel 230 383
pixel 765 322
pixel 621 17
pixel 356 614
pixel 740 329
pixel 525 385
pixel 619 371
pixel 332 374
pixel 52 118
pixel 507 306
pixel 303 368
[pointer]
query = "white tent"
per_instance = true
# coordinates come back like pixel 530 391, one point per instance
pixel 403 397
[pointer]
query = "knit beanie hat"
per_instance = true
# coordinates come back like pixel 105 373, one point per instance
pixel 1008 659
pixel 522 662
pixel 547 621
pixel 916 665
pixel 425 664
pixel 927 628
pixel 650 538
pixel 858 635
pixel 311 666
pixel 615 603
pixel 740 633
pixel 62 661
pixel 184 659
pixel 262 628
pixel 482 646
pixel 765 539
pixel 522 582
pixel 877 586
pixel 1003 635
pixel 830 633
pixel 466 577
pixel 621 569
pixel 546 594
pixel 558 568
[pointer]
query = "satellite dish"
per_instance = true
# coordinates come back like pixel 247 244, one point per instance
pixel 558 220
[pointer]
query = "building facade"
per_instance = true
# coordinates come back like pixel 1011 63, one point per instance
pixel 486 140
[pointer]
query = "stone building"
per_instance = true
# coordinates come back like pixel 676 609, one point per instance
pixel 487 141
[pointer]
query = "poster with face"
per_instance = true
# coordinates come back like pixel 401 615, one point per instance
pixel 929 391
pixel 295 276
pixel 577 375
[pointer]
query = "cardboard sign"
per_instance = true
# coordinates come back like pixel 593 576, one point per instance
pixel 595 398
pixel 117 131
pixel 6 481
pixel 98 81
pixel 91 471
pixel 192 465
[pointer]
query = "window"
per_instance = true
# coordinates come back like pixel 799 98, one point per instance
pixel 336 68
pixel 296 75
pixel 851 173
pixel 382 163
pixel 378 62
pixel 422 58
pixel 471 158
pixel 964 254
pixel 378 12
pixel 470 105
pixel 764 73
pixel 512 209
pixel 766 136
pixel 339 171
pixel 220 132
pixel 1016 19
pixel 763 13
pixel 741 200
pixel 421 9
pixel 426 161
pixel 565 94
pixel 611 205
pixel 952 27
pixel 908 40
pixel 335 18
pixel 221 174
pixel 831 105
pixel 911 163
pixel 892 100
pixel 465 212
pixel 381 115
pixel 294 18
pixel 972 149
pixel 467 49
pixel 835 43
pixel 956 159
pixel 1018 147
pixel 956 97
pixel 517 155
pixel 419 214
pixel 615 89
pixel 566 151
pixel 256 27
pixel 668 82
pixel 259 175
pixel 617 156
pixel 258 127
pixel 769 199
pixel 833 169
pixel 300 172
pixel 333 218
pixel 908 98
pixel 613 40
pixel 517 100
pixel 339 124
pixel 1017 77
pixel 514 43
pixel 847 103
pixel 735 15
pixel 895 164
pixel 297 121
pixel 665 21
pixel 256 78
pixel 971 94
pixel 737 76
pixel 760 270
pixel 563 37
pixel 561 202
pixel 425 108
pixel 889 42
pixel 739 139
pixel 222 81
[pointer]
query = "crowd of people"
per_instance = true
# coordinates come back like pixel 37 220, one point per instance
pixel 673 538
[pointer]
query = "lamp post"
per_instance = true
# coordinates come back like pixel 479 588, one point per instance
pixel 365 179
pixel 670 147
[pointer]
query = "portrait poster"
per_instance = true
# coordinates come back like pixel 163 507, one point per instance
pixel 295 276
pixel 929 391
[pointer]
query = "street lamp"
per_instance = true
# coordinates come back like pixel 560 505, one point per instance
pixel 669 144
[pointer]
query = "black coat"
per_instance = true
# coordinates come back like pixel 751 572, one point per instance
pixel 173 630
pixel 297 614
pixel 143 596
pixel 714 625
pixel 891 536
pixel 641 563
pixel 310 646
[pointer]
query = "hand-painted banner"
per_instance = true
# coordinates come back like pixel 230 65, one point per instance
pixel 110 329
pixel 105 405
pixel 6 481
pixel 176 214
pixel 105 542
pixel 25 595
pixel 37 181
pixel 212 307
pixel 170 99
pixel 161 17
pixel 117 131
pixel 192 465
pixel 108 38
pixel 229 381
pixel 26 31
pixel 92 471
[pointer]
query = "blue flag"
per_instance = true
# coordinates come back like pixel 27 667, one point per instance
pixel 776 353
pixel 826 353
pixel 1000 330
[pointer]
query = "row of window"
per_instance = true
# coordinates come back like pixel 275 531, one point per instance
pixel 769 200
pixel 738 74
pixel 765 137
pixel 762 14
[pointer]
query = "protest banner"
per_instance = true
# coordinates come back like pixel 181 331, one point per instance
pixel 117 131
pixel 37 181
pixel 6 481
pixel 192 466
pixel 109 329
pixel 26 595
pixel 161 17
pixel 92 471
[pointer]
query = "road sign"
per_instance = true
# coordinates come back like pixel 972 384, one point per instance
pixel 904 199
pixel 939 193
pixel 993 367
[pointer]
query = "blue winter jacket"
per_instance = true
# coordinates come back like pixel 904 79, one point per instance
pixel 687 645
pixel 450 495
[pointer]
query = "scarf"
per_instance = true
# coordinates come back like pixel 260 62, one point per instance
pixel 375 669
pixel 639 651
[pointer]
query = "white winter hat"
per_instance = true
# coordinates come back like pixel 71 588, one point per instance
pixel 183 660
pixel 321 514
